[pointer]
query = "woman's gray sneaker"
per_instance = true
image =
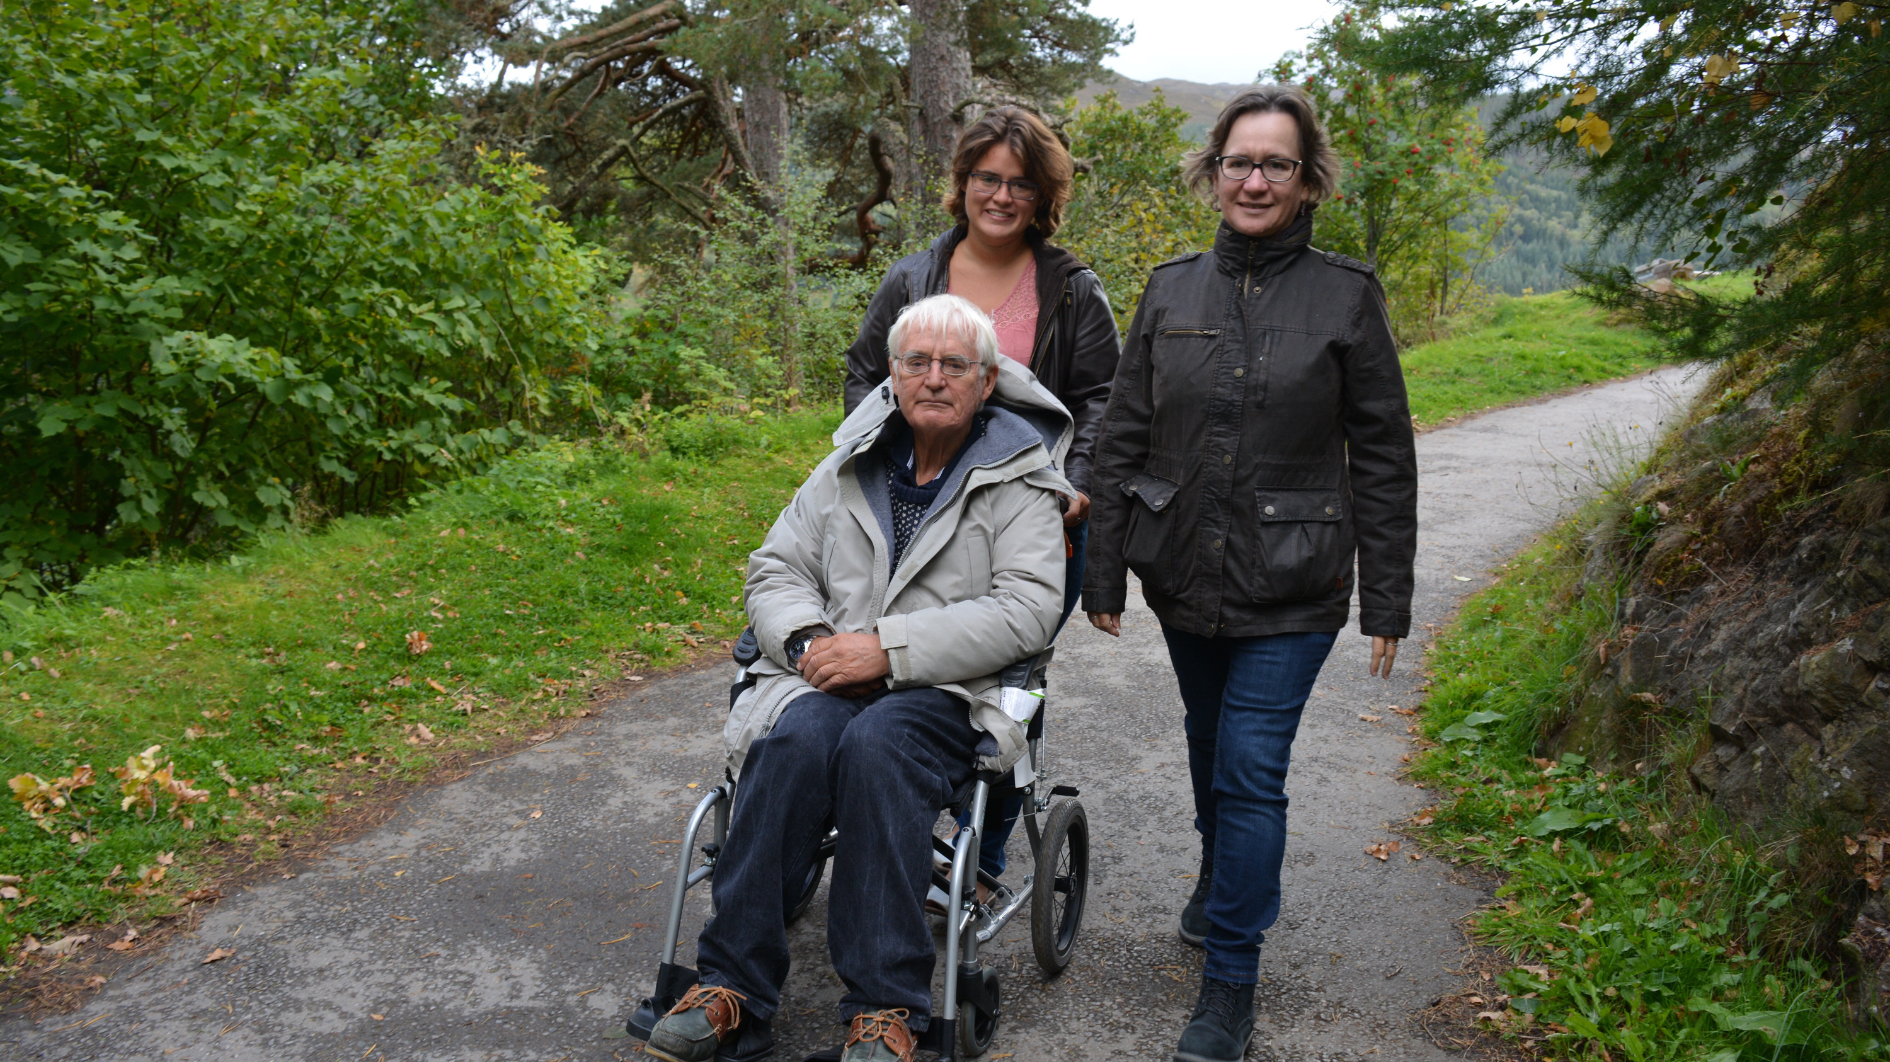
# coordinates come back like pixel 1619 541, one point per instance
pixel 1194 921
pixel 1222 1024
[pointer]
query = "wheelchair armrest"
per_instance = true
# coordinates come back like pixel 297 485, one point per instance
pixel 1017 676
pixel 747 648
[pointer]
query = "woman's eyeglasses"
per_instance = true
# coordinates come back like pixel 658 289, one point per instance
pixel 987 184
pixel 1240 167
pixel 920 364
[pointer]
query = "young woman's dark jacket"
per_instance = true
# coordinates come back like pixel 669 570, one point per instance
pixel 1257 435
pixel 1074 354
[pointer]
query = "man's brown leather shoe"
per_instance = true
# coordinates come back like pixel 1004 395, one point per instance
pixel 694 1028
pixel 879 1036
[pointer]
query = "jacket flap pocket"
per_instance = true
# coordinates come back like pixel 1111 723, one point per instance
pixel 1154 491
pixel 1275 505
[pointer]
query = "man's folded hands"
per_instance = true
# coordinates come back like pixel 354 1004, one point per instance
pixel 845 665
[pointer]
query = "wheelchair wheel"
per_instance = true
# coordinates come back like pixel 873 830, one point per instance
pixel 1056 898
pixel 801 905
pixel 977 1027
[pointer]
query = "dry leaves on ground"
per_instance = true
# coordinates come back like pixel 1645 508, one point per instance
pixel 1383 850
pixel 217 955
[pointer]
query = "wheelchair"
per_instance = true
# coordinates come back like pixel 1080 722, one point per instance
pixel 1058 831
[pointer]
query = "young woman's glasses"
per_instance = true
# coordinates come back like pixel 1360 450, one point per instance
pixel 920 364
pixel 987 184
pixel 1239 168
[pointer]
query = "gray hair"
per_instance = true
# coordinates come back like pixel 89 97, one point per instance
pixel 946 315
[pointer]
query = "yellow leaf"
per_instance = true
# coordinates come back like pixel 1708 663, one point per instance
pixel 1788 20
pixel 1667 23
pixel 1566 124
pixel 1594 134
pixel 1584 96
pixel 1844 12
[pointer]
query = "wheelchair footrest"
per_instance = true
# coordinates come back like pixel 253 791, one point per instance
pixel 672 983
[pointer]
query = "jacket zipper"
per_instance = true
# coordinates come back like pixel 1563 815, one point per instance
pixel 1190 332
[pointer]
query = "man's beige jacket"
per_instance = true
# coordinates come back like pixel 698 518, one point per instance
pixel 980 586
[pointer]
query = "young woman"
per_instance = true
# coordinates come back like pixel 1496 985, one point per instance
pixel 1257 439
pixel 1010 182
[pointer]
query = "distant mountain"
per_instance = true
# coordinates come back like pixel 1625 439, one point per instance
pixel 1202 102
pixel 1547 226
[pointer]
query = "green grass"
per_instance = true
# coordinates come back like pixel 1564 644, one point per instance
pixel 282 681
pixel 1640 929
pixel 1531 346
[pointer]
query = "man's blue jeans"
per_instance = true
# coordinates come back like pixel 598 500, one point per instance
pixel 879 768
pixel 1243 697
pixel 1000 817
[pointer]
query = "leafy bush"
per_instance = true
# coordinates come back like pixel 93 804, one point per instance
pixel 234 278
pixel 756 308
pixel 1130 211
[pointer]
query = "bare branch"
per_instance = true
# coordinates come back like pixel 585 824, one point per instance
pixel 585 39
pixel 863 214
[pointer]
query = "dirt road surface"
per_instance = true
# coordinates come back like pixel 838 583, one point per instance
pixel 517 914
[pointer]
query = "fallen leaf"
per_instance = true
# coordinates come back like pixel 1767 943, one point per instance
pixel 66 945
pixel 417 641
pixel 421 731
pixel 436 686
pixel 378 1017
pixel 8 892
pixel 217 955
pixel 1379 851
pixel 203 895
pixel 1363 718
pixel 15 879
pixel 535 814
pixel 165 859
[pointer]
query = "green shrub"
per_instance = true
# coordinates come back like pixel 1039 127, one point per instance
pixel 235 279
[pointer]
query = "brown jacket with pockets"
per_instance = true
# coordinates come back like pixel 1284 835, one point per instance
pixel 1258 437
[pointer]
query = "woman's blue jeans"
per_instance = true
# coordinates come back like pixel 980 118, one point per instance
pixel 1243 697
pixel 1000 817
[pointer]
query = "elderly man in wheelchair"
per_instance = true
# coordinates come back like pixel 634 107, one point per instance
pixel 922 558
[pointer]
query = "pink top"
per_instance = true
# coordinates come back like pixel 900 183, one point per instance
pixel 1016 320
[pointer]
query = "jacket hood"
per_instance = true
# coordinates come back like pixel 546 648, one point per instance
pixel 1017 392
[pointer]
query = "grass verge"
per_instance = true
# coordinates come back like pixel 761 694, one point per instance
pixel 1531 346
pixel 286 682
pixel 1639 928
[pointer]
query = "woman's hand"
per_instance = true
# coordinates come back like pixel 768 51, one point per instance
pixel 849 665
pixel 1384 653
pixel 1078 510
pixel 1109 623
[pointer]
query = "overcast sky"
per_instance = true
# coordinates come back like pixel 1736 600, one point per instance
pixel 1209 40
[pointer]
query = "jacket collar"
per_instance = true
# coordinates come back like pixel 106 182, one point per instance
pixel 1054 264
pixel 1239 255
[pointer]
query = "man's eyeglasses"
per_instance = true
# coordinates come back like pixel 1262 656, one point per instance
pixel 987 184
pixel 919 364
pixel 1240 167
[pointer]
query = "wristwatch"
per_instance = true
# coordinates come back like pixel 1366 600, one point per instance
pixel 798 642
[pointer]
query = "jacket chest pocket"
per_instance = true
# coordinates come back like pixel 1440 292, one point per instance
pixel 1181 367
pixel 1303 547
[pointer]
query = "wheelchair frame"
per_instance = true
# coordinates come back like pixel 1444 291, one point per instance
pixel 972 987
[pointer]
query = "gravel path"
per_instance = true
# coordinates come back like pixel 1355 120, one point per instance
pixel 516 914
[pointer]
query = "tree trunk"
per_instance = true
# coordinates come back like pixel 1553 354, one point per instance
pixel 941 82
pixel 765 115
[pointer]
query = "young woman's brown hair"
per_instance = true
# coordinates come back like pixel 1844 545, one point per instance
pixel 1046 162
pixel 1319 166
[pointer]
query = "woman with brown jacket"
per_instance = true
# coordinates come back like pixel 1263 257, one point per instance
pixel 1257 439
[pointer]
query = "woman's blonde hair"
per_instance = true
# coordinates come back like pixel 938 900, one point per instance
pixel 1046 162
pixel 1319 166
